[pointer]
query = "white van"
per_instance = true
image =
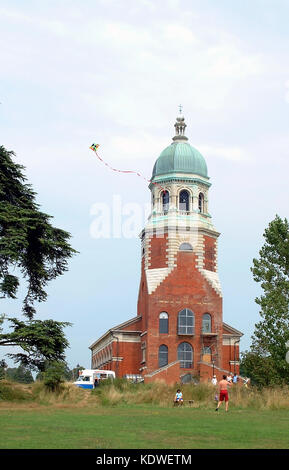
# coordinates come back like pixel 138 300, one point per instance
pixel 87 377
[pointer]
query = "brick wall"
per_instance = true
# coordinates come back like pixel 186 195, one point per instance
pixel 170 375
pixel 184 287
pixel 124 358
pixel 230 354
pixel 158 253
pixel 210 253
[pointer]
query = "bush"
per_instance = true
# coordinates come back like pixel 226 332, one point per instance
pixel 53 377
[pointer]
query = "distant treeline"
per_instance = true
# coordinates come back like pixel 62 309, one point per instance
pixel 24 375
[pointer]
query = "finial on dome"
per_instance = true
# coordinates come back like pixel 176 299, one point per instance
pixel 180 127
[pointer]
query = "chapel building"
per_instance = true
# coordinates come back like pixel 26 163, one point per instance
pixel 178 333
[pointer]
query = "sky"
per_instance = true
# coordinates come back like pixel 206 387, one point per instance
pixel 114 72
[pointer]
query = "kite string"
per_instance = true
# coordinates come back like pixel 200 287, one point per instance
pixel 126 171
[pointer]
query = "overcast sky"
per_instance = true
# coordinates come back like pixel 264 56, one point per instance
pixel 114 72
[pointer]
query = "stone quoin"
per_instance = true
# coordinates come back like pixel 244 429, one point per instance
pixel 178 333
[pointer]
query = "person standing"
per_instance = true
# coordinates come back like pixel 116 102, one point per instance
pixel 235 379
pixel 215 383
pixel 223 390
pixel 229 378
pixel 214 380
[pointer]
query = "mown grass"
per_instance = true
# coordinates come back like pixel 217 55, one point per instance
pixel 128 416
pixel 143 427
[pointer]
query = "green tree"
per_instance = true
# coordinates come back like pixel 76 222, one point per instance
pixel 3 367
pixel 33 250
pixel 40 341
pixel 68 374
pixel 259 368
pixel 75 372
pixel 271 270
pixel 54 375
pixel 20 374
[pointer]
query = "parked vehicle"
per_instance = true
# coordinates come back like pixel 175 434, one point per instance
pixel 90 378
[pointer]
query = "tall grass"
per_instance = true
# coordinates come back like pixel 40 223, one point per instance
pixel 267 398
pixel 9 391
pixel 203 395
pixel 121 392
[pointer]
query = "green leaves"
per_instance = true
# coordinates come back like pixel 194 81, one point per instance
pixel 34 251
pixel 39 340
pixel 20 374
pixel 271 270
pixel 54 375
pixel 28 241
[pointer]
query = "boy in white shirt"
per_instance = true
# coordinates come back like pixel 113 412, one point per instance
pixel 178 398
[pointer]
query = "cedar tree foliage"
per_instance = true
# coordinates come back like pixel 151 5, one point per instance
pixel 33 250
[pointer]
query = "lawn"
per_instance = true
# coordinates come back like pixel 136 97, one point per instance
pixel 142 427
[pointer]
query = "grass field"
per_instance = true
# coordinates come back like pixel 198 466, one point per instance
pixel 142 427
pixel 81 421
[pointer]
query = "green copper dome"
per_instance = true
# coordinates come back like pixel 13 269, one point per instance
pixel 180 157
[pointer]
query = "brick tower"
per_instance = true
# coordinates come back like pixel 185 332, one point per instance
pixel 180 296
pixel 178 332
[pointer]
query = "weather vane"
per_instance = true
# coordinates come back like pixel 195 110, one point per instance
pixel 180 108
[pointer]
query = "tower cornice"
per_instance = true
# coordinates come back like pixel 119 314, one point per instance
pixel 178 178
pixel 166 229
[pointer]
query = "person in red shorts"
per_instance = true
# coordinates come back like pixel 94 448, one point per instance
pixel 223 388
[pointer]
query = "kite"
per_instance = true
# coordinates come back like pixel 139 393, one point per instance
pixel 94 147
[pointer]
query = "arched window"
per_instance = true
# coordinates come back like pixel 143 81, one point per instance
pixel 207 323
pixel 201 202
pixel 163 322
pixel 185 355
pixel 165 201
pixel 163 355
pixel 206 354
pixel 186 247
pixel 186 378
pixel 186 322
pixel 184 200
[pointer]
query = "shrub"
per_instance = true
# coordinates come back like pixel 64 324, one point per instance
pixel 53 377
